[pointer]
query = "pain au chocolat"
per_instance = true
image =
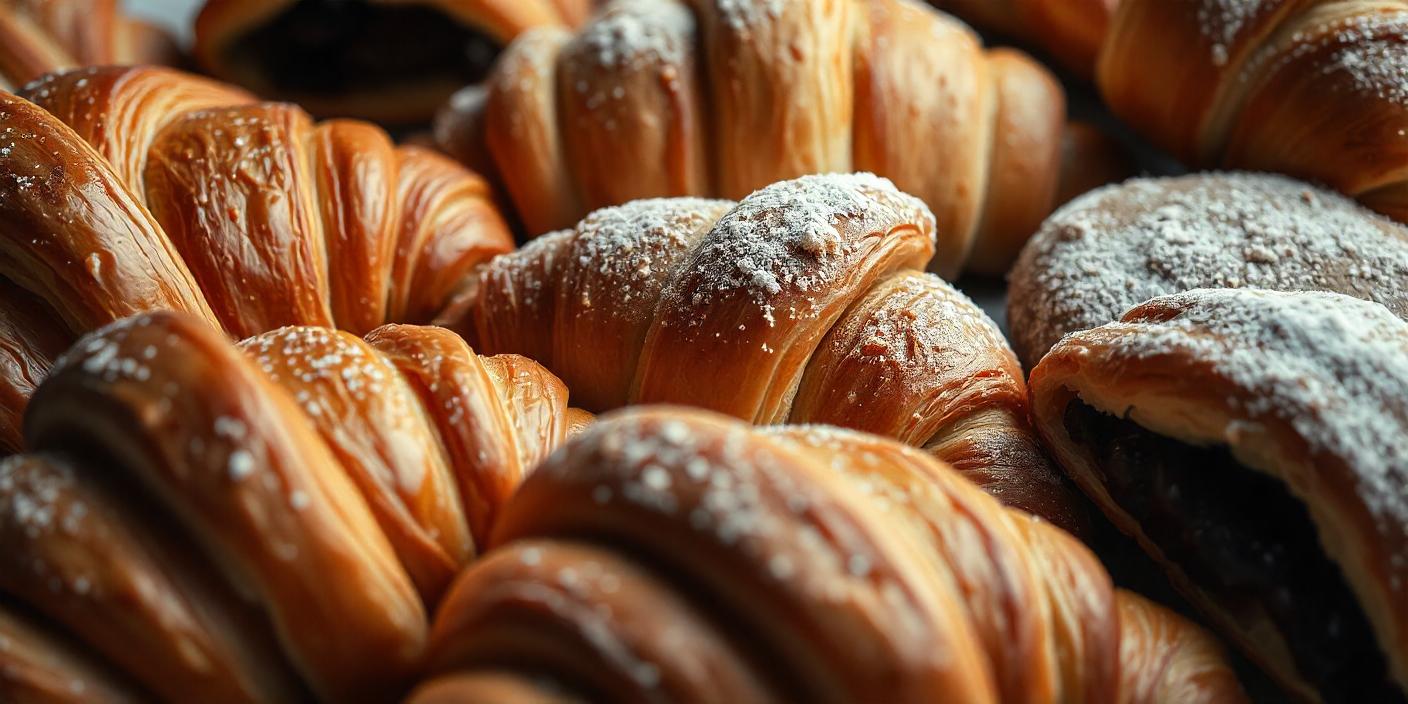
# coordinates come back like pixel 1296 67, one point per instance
pixel 1256 444
pixel 392 61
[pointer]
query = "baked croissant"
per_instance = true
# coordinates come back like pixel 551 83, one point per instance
pixel 1071 30
pixel 232 527
pixel 42 36
pixel 1122 245
pixel 721 97
pixel 1256 444
pixel 1311 88
pixel 124 190
pixel 385 60
pixel 669 555
pixel 804 303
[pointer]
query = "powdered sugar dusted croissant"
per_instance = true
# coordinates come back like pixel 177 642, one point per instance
pixel 1122 245
pixel 672 555
pixel 131 189
pixel 42 36
pixel 720 98
pixel 249 526
pixel 387 60
pixel 1312 88
pixel 1256 444
pixel 802 303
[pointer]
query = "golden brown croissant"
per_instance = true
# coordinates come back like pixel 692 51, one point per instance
pixel 1312 88
pixel 724 97
pixel 386 60
pixel 131 189
pixel 1256 445
pixel 803 303
pixel 42 36
pixel 1071 30
pixel 247 527
pixel 1122 245
pixel 670 555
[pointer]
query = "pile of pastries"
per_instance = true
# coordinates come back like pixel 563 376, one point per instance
pixel 441 351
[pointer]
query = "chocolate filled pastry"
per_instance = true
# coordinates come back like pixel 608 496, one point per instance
pixel 1310 88
pixel 1255 443
pixel 125 190
pixel 669 555
pixel 43 36
pixel 720 98
pixel 255 523
pixel 385 60
pixel 805 303
pixel 1122 245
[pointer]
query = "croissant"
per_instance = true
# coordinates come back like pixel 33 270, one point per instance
pixel 1122 245
pixel 1072 31
pixel 125 190
pixel 803 303
pixel 42 36
pixel 671 555
pixel 385 60
pixel 1256 445
pixel 250 526
pixel 1311 88
pixel 723 97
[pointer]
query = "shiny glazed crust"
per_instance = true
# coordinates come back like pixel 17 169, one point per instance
pixel 125 190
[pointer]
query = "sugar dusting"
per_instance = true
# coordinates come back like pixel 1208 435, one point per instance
pixel 636 246
pixel 1125 244
pixel 786 238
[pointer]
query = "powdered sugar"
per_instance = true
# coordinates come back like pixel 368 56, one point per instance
pixel 1221 21
pixel 1122 245
pixel 634 248
pixel 1371 51
pixel 631 33
pixel 785 237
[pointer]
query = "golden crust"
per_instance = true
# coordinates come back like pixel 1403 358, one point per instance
pixel 94 263
pixel 1267 375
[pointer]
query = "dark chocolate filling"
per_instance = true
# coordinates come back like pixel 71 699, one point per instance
pixel 1243 539
pixel 327 47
